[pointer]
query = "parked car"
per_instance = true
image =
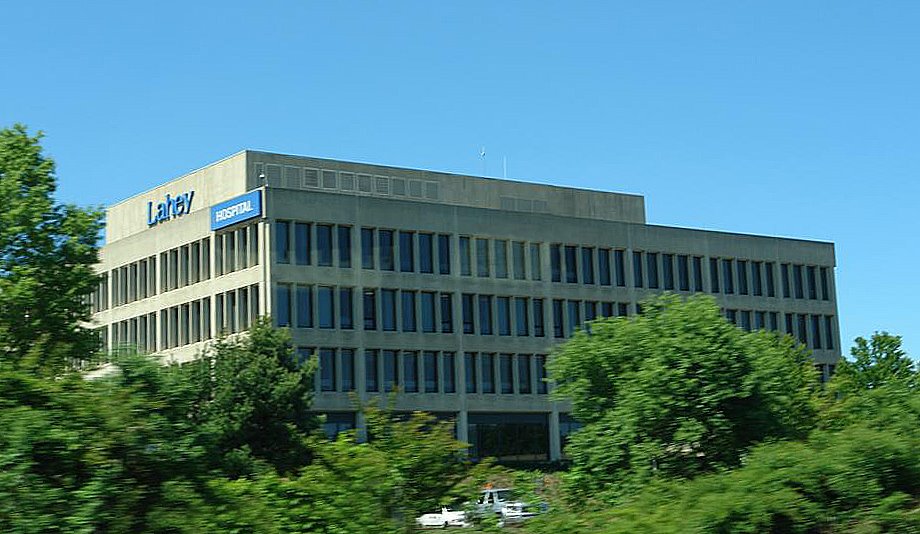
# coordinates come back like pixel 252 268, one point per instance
pixel 446 517
pixel 516 513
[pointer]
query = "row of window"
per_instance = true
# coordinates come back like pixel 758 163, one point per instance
pixel 428 371
pixel 134 281
pixel 813 331
pixel 237 309
pixel 305 177
pixel 236 249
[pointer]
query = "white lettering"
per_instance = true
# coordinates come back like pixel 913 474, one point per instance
pixel 233 211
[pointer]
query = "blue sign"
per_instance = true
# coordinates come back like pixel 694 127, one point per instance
pixel 169 208
pixel 236 210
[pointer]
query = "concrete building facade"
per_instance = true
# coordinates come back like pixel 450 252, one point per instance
pixel 449 290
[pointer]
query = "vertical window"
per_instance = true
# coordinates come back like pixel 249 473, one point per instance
pixel 619 263
pixel 759 320
pixel 571 264
pixel 520 316
pixel 536 263
pixel 430 362
pixel 756 279
pixel 603 266
pixel 517 259
pixel 652 264
pixel 487 369
pixel 301 243
pixel 485 315
pixel 388 309
pixel 425 253
pixel 541 373
pixel 825 293
pixel 447 313
pixel 637 269
pixel 558 326
pixel 410 371
pixel 784 279
pixel 732 316
pixel 771 286
pixel 467 302
pixel 501 258
pixel 506 373
pixel 574 312
pixel 697 273
pixel 590 310
pixel 538 324
pixel 444 254
pixel 523 365
pixel 667 268
pixel 347 359
pixel 555 262
pixel 304 307
pixel 344 244
pixel 406 252
pixel 367 248
pixel 325 306
pixel 324 245
pixel 428 318
pixel 683 273
pixel 607 309
pixel 790 324
pixel 829 331
pixel 812 283
pixel 746 320
pixel 587 265
pixel 816 331
pixel 504 316
pixel 803 329
pixel 385 248
pixel 728 278
pixel 229 260
pixel 390 370
pixel 482 257
pixel 282 305
pixel 742 277
pixel 448 373
pixel 327 369
pixel 797 281
pixel 346 316
pixel 282 242
pixel 469 367
pixel 369 308
pixel 714 274
pixel 465 260
pixel 370 371
pixel 408 311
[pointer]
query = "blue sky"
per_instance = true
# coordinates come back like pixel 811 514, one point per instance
pixel 780 118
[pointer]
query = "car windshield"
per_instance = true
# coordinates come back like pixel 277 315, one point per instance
pixel 504 495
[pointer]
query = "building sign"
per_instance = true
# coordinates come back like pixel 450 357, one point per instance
pixel 170 208
pixel 236 210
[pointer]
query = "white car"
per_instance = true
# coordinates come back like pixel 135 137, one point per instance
pixel 443 519
pixel 515 513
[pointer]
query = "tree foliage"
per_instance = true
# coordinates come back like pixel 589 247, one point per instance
pixel 877 362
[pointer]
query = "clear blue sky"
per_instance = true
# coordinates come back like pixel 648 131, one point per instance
pixel 780 118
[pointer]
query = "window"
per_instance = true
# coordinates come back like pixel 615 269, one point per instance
pixel 714 274
pixel 388 309
pixel 742 277
pixel 501 258
pixel 803 329
pixel 282 305
pixel 771 287
pixel 324 245
pixel 344 244
pixel 369 307
pixel 728 278
pixel 756 268
pixel 410 371
pixel 430 362
pixel 347 358
pixel 784 279
pixel 816 331
pixel 346 317
pixel 428 318
pixel 523 365
pixel 812 284
pixel 571 264
pixel 367 248
pixel 327 369
pixel 406 252
pixel 408 311
pixel 482 257
pixel 282 242
pixel 829 331
pixel 447 313
pixel 558 326
pixel 447 372
pixel 652 264
pixel 619 267
pixel 797 281
pixel 370 371
pixel 759 320
pixel 574 312
pixel 506 373
pixel 590 310
pixel 487 370
pixel 825 293
pixel 541 373
pixel 746 320
pixel 603 266
pixel 536 265
pixel 538 328
pixel 425 253
pixel 390 370
pixel 790 324
pixel 465 261
pixel 485 315
pixel 385 248
pixel 555 262
pixel 683 273
pixel 520 316
pixel 517 260
pixel 325 307
pixel 444 254
pixel 637 269
pixel 667 265
pixel 467 301
pixel 469 367
pixel 304 307
pixel 504 316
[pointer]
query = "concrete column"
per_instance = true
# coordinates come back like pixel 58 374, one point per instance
pixel 555 443
pixel 463 428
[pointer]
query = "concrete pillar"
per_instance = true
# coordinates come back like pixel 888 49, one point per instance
pixel 463 427
pixel 555 443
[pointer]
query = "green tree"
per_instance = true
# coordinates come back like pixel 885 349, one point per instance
pixel 47 251
pixel 877 362
pixel 674 393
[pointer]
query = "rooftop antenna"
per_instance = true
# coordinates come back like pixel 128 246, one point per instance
pixel 482 158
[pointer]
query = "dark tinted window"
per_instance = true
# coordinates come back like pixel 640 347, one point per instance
pixel 466 301
pixel 282 242
pixel 470 368
pixel 430 363
pixel 325 307
pixel 367 248
pixel 485 314
pixel 410 371
pixel 652 263
pixel 428 317
pixel 388 309
pixel 444 254
pixel 448 373
pixel 344 245
pixel 324 245
pixel 521 316
pixel 425 253
pixel 370 371
pixel 501 258
pixel 538 328
pixel 571 264
pixel 447 313
pixel 555 261
pixel 465 256
pixel 370 309
pixel 385 239
pixel 408 311
pixel 406 252
pixel 301 243
pixel 504 316
pixel 742 277
pixel 346 316
pixel 304 307
pixel 603 266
